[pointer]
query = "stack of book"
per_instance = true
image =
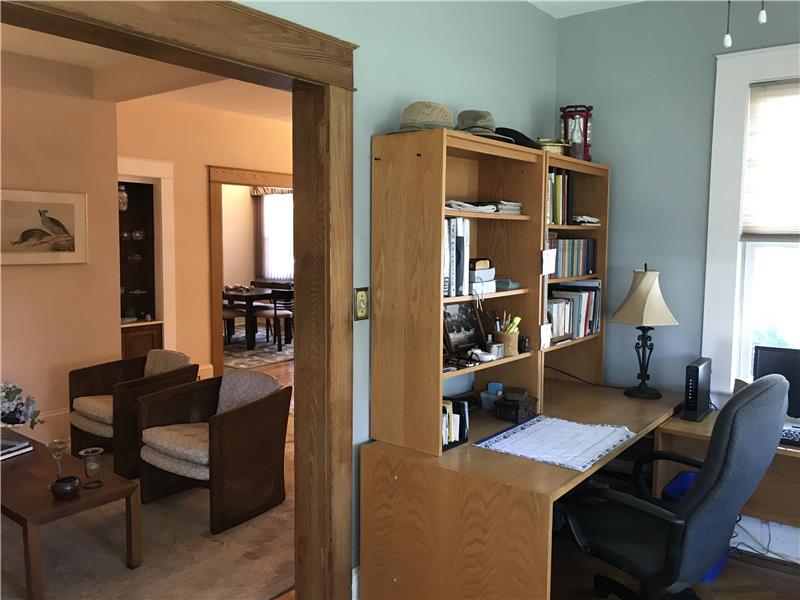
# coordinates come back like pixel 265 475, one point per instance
pixel 455 422
pixel 455 257
pixel 574 257
pixel 574 310
pixel 559 198
pixel 481 277
pixel 14 444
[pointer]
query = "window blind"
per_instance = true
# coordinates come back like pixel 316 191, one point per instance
pixel 771 176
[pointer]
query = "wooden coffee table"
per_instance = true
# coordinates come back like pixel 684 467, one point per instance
pixel 26 499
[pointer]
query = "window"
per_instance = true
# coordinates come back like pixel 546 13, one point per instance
pixel 277 236
pixel 770 222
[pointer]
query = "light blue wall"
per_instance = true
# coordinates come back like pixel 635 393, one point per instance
pixel 649 70
pixel 499 57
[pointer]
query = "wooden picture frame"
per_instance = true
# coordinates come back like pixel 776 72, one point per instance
pixel 463 328
pixel 42 228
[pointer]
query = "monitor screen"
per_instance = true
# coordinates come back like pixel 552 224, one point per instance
pixel 783 361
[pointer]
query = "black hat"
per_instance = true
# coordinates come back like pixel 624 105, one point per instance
pixel 519 138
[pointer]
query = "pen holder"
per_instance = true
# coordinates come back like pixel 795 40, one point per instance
pixel 510 342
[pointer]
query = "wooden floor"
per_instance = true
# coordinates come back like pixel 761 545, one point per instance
pixel 283 372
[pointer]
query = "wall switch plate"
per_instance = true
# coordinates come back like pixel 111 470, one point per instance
pixel 360 304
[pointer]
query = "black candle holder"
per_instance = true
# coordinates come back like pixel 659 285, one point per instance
pixel 644 349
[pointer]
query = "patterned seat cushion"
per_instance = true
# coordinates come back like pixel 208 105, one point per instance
pixel 163 361
pixel 186 442
pixel 168 463
pixel 96 408
pixel 76 419
pixel 241 386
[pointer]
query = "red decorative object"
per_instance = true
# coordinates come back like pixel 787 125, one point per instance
pixel 576 122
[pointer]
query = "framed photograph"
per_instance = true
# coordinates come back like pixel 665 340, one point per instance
pixel 462 327
pixel 42 228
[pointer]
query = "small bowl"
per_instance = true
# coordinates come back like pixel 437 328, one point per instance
pixel 65 487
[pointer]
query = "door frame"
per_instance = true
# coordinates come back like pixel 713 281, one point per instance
pixel 234 41
pixel 217 177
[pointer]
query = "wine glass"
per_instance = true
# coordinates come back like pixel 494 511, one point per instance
pixel 57 449
pixel 92 466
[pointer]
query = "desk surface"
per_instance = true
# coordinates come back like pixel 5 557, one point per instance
pixel 566 400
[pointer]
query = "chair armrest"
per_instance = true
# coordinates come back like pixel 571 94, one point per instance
pixel 192 402
pixel 649 457
pixel 100 379
pixel 608 495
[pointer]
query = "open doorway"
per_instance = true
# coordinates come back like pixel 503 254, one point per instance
pixel 321 84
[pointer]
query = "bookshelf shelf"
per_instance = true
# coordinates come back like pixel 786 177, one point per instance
pixel 503 294
pixel 575 228
pixel 572 342
pixel 449 212
pixel 578 166
pixel 577 278
pixel 488 365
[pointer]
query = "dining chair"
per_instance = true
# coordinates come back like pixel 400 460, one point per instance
pixel 282 311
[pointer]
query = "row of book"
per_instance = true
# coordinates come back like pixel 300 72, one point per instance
pixel 574 257
pixel 574 310
pixel 559 198
pixel 455 421
pixel 455 257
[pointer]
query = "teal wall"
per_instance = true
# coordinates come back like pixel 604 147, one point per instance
pixel 496 56
pixel 649 70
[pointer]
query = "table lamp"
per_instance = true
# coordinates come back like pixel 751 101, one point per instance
pixel 644 307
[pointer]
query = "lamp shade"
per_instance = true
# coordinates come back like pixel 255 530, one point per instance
pixel 644 305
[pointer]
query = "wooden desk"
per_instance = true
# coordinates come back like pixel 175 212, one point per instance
pixel 777 497
pixel 472 522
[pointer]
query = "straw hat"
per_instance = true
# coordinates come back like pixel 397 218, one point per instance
pixel 426 115
pixel 480 122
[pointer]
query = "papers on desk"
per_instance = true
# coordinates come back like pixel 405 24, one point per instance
pixel 558 442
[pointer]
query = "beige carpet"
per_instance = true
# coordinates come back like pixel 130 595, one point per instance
pixel 84 555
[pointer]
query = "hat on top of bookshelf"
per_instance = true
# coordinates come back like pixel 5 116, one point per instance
pixel 519 138
pixel 480 122
pixel 425 115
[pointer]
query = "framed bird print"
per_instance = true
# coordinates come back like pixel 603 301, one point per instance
pixel 42 228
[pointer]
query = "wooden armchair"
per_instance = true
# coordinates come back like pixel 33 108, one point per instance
pixel 104 400
pixel 227 434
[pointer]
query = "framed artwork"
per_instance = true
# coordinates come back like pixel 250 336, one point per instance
pixel 462 327
pixel 42 228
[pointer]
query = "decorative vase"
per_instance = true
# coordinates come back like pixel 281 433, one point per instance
pixel 65 487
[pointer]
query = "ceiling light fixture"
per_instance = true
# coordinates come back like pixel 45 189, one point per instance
pixel 727 40
pixel 762 14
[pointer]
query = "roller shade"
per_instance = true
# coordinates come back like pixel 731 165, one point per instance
pixel 771 176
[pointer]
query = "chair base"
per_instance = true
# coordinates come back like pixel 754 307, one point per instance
pixel 605 586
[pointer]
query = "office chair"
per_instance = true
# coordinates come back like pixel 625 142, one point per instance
pixel 669 547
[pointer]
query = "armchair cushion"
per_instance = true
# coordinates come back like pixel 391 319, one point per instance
pixel 242 387
pixel 162 361
pixel 96 408
pixel 83 423
pixel 187 441
pixel 168 463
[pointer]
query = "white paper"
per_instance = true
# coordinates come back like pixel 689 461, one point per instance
pixel 548 261
pixel 544 336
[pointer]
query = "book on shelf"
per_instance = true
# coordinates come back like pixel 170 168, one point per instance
pixel 558 315
pixel 574 309
pixel 575 257
pixel 455 421
pixel 560 201
pixel 455 257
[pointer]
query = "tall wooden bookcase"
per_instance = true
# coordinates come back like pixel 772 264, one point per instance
pixel 413 174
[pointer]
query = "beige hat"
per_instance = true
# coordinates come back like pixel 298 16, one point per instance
pixel 480 122
pixel 426 115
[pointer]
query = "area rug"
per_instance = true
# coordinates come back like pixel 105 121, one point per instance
pixel 84 555
pixel 237 356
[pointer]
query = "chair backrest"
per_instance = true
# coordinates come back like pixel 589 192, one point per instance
pixel 163 361
pixel 243 386
pixel 743 443
pixel 283 299
pixel 275 285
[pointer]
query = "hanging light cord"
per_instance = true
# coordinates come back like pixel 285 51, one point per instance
pixel 728 30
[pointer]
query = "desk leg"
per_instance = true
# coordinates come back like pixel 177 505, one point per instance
pixel 133 530
pixel 32 540
pixel 250 326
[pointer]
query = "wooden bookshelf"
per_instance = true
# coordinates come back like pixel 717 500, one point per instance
pixel 503 294
pixel 572 342
pixel 487 365
pixel 450 212
pixel 568 279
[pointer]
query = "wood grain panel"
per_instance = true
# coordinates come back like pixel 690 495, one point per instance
pixel 216 272
pixel 408 177
pixel 267 50
pixel 322 145
pixel 429 532
pixel 234 176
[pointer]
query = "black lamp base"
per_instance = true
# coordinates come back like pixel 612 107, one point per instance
pixel 643 391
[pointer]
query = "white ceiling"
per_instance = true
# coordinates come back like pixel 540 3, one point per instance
pixel 567 8
pixel 228 94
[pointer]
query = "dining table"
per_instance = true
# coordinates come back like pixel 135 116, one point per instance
pixel 246 300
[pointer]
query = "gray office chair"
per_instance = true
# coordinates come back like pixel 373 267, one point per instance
pixel 669 547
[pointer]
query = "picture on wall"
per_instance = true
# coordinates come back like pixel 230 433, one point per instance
pixel 38 228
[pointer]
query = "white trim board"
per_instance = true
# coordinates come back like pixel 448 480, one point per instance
pixel 735 72
pixel 161 174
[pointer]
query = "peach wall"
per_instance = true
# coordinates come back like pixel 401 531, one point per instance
pixel 238 235
pixel 194 137
pixel 56 318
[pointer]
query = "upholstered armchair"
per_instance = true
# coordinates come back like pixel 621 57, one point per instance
pixel 227 434
pixel 104 400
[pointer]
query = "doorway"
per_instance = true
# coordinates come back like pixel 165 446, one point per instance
pixel 230 40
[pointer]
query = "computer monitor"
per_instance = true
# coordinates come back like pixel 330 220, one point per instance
pixel 783 361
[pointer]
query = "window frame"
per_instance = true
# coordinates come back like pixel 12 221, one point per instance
pixel 723 286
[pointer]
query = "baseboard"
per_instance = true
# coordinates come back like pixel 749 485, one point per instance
pixel 355 583
pixel 766 562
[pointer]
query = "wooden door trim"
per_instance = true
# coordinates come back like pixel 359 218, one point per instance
pixel 234 176
pixel 319 71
